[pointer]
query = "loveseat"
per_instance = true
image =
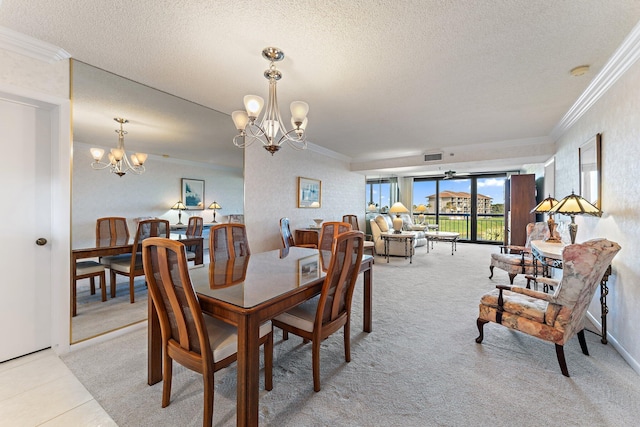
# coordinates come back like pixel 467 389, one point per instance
pixel 384 223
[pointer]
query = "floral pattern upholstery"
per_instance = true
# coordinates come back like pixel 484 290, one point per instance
pixel 521 263
pixel 559 316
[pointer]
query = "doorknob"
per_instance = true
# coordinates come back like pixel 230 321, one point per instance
pixel 41 241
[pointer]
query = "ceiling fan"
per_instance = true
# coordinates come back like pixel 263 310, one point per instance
pixel 449 174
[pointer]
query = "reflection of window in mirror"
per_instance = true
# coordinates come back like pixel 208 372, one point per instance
pixel 589 156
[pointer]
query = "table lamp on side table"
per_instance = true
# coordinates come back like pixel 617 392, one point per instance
pixel 421 209
pixel 573 205
pixel 398 208
pixel 179 206
pixel 545 206
pixel 215 206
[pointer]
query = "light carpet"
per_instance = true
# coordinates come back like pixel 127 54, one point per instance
pixel 419 367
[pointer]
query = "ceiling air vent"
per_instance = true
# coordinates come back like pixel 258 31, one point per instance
pixel 433 157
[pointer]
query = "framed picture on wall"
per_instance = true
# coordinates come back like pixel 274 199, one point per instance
pixel 193 193
pixel 309 192
pixel 589 155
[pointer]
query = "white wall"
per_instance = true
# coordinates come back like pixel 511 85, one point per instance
pixel 271 184
pixel 99 193
pixel 617 116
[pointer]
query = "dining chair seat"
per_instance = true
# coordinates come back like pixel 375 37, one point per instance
pixel 107 260
pixel 191 256
pixel 123 264
pixel 223 337
pixel 301 316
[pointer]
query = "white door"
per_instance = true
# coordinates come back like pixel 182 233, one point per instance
pixel 25 217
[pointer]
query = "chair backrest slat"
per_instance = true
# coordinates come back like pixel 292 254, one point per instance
pixel 330 231
pixel 195 226
pixel 228 241
pixel 353 220
pixel 338 286
pixel 111 230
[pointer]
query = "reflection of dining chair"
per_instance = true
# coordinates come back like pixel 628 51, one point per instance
pixel 132 265
pixel 90 270
pixel 111 231
pixel 369 245
pixel 229 272
pixel 228 241
pixel 321 316
pixel 194 228
pixel 329 231
pixel 195 340
pixel 553 317
pixel 287 237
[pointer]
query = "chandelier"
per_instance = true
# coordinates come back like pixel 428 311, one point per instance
pixel 118 161
pixel 270 129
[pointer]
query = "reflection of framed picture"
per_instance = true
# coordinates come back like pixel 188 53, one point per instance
pixel 193 193
pixel 589 155
pixel 309 193
pixel 308 269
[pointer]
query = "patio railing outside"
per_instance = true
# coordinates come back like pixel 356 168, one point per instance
pixel 490 226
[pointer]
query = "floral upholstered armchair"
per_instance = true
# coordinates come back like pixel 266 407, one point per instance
pixel 553 317
pixel 520 262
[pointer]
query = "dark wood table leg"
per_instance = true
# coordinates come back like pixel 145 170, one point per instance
pixel 154 345
pixel 248 372
pixel 368 300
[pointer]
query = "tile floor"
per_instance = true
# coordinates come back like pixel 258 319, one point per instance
pixel 39 390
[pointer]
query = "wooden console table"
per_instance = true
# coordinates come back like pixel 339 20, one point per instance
pixel 550 255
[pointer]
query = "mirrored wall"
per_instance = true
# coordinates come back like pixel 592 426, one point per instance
pixel 182 139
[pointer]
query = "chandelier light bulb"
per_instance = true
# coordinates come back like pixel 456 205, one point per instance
pixel 240 119
pixel 299 111
pixel 97 154
pixel 253 104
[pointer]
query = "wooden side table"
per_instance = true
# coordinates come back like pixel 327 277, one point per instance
pixel 307 236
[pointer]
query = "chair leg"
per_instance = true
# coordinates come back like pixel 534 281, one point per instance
pixel 103 286
pixel 92 281
pixel 480 323
pixel 166 380
pixel 315 359
pixel 268 363
pixel 561 360
pixel 131 293
pixel 207 417
pixel 112 283
pixel 491 269
pixel 347 342
pixel 285 335
pixel 583 343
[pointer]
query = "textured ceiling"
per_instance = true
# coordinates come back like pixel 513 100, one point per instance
pixel 384 79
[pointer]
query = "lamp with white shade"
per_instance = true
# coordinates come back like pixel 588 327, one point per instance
pixel 421 209
pixel 179 206
pixel 398 208
pixel 573 205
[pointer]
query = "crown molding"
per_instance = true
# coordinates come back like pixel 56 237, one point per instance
pixel 622 59
pixel 328 153
pixel 31 47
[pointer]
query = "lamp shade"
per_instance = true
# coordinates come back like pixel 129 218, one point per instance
pixel 574 204
pixel 372 207
pixel 420 208
pixel 215 205
pixel 545 206
pixel 179 206
pixel 398 208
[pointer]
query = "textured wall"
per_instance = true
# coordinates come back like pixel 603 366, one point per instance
pixel 97 194
pixel 617 116
pixel 271 184
pixel 23 71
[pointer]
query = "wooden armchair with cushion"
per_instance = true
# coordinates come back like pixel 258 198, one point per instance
pixel 520 261
pixel 553 317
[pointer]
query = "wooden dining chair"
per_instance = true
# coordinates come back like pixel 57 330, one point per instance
pixel 194 228
pixel 195 340
pixel 287 237
pixel 131 265
pixel 330 231
pixel 111 231
pixel 319 317
pixel 228 241
pixel 369 244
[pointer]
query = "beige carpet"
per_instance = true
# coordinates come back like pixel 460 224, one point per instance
pixel 419 367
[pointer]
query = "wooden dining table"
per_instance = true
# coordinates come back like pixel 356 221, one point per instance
pixel 108 247
pixel 246 292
